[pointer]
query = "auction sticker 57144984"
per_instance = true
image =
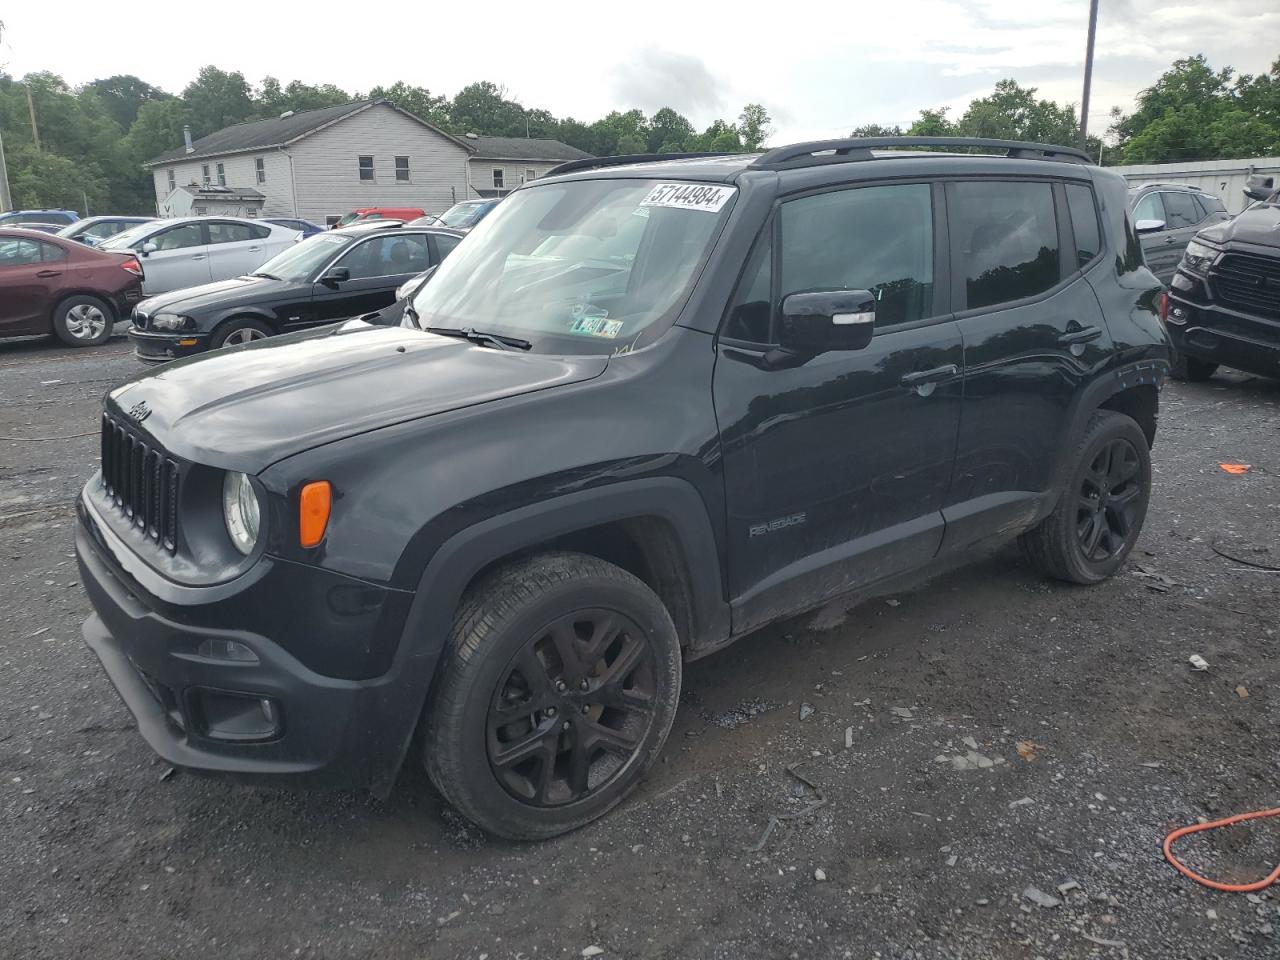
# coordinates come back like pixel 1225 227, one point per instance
pixel 689 196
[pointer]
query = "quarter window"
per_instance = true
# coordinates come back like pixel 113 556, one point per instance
pixel 445 245
pixel 750 317
pixel 1181 210
pixel 402 169
pixel 366 168
pixel 869 238
pixel 498 174
pixel 1084 223
pixel 260 169
pixel 1004 240
pixel 51 251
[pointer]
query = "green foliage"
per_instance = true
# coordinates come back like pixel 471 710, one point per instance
pixel 416 100
pixel 753 126
pixel 876 130
pixel 217 99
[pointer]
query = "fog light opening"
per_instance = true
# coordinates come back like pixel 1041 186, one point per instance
pixel 224 715
pixel 216 648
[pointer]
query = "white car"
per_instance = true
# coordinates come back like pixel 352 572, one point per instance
pixel 188 251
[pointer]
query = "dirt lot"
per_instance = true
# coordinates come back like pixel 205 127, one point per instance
pixel 881 848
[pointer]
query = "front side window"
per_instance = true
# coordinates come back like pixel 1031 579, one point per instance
pixel 260 169
pixel 1181 210
pixel 366 168
pixel 498 174
pixel 222 176
pixel 1149 208
pixel 869 238
pixel 584 267
pixel 387 256
pixel 402 169
pixel 18 253
pixel 1084 223
pixel 1004 238
pixel 179 238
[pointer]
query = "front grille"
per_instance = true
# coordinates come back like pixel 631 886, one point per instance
pixel 142 481
pixel 1248 282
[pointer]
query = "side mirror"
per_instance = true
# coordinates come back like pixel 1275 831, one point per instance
pixel 1148 226
pixel 149 248
pixel 1260 186
pixel 334 276
pixel 823 320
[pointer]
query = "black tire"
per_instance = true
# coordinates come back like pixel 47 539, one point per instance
pixel 1092 529
pixel 83 321
pixel 506 687
pixel 239 330
pixel 1191 369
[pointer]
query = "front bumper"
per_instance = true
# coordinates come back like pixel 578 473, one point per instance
pixel 330 732
pixel 1218 334
pixel 161 347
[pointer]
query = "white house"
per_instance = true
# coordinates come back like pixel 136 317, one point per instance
pixel 500 164
pixel 321 164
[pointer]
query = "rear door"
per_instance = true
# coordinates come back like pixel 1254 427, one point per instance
pixel 28 284
pixel 236 248
pixel 1033 334
pixel 181 259
pixel 376 266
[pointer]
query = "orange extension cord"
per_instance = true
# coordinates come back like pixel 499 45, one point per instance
pixel 1214 884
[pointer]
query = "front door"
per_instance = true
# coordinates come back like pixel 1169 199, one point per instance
pixel 1033 334
pixel 836 468
pixel 375 267
pixel 181 259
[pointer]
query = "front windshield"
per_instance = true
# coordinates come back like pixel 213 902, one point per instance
pixel 298 262
pixel 588 266
pixel 125 239
pixel 462 214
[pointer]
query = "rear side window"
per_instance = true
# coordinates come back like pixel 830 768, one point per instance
pixel 867 238
pixel 1181 210
pixel 1004 239
pixel 220 232
pixel 1084 223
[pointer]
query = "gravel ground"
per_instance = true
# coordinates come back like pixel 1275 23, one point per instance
pixel 1083 734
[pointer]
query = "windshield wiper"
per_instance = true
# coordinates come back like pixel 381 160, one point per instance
pixel 269 276
pixel 501 341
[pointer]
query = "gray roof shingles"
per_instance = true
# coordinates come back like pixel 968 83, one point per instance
pixel 524 148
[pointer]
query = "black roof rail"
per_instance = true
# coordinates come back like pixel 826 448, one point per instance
pixel 818 152
pixel 592 163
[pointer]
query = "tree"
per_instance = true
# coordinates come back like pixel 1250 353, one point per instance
pixel 419 101
pixel 1012 112
pixel 754 126
pixel 123 96
pixel 484 108
pixel 932 123
pixel 669 132
pixel 217 99
pixel 876 130
pixel 619 134
pixel 38 178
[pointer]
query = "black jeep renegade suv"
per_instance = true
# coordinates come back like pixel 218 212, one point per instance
pixel 644 408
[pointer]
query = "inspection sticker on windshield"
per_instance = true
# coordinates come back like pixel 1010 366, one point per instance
pixel 689 196
pixel 596 326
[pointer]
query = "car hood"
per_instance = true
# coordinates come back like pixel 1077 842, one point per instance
pixel 1259 226
pixel 221 293
pixel 244 408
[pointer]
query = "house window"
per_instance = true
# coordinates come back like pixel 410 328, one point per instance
pixel 204 174
pixel 402 169
pixel 260 168
pixel 497 178
pixel 173 181
pixel 366 168
pixel 530 174
pixel 222 176
pixel 200 211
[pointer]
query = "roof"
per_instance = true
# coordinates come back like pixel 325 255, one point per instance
pixel 523 148
pixel 278 132
pixel 222 193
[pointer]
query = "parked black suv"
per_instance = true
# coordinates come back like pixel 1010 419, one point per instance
pixel 1225 297
pixel 650 406
pixel 327 277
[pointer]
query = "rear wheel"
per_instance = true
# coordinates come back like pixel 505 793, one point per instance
pixel 83 321
pixel 1189 368
pixel 240 330
pixel 561 685
pixel 1100 514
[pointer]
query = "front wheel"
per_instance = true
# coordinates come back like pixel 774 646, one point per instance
pixel 240 330
pixel 1101 510
pixel 559 688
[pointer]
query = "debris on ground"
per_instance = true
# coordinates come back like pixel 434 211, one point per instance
pixel 970 742
pixel 742 712
pixel 1155 580
pixel 902 712
pixel 848 738
pixel 971 761
pixel 1023 802
pixel 1067 887
pixel 1027 749
pixel 806 711
pixel 592 951
pixel 1236 468
pixel 1198 662
pixel 1242 692
pixel 1040 898
pixel 820 875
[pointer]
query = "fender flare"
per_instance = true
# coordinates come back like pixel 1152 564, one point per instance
pixel 453 566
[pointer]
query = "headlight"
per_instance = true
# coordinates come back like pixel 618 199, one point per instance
pixel 240 511
pixel 172 321
pixel 1197 257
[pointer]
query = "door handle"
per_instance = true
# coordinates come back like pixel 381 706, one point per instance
pixel 921 378
pixel 1083 335
pixel 45 274
pixel 1169 240
pixel 197 256
pixel 255 249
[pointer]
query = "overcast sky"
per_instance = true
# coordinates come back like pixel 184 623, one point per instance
pixel 820 68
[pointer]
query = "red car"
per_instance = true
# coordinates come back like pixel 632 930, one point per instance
pixel 364 214
pixel 52 285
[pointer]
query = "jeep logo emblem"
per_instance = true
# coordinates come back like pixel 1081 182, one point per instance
pixel 139 411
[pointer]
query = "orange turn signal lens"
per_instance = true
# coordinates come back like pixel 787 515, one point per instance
pixel 313 512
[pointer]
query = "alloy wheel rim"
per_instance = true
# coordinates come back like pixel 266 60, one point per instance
pixel 1108 499
pixel 572 709
pixel 86 322
pixel 244 335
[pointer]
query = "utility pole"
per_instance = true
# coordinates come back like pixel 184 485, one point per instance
pixel 31 106
pixel 6 201
pixel 1088 72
